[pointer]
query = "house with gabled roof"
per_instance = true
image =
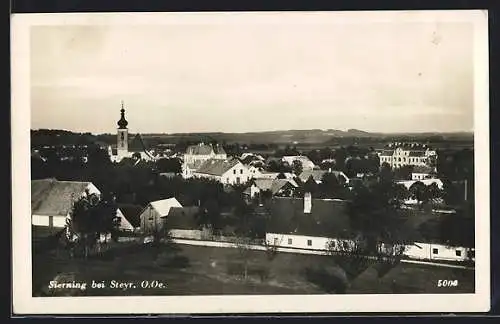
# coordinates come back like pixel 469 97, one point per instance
pixel 152 217
pixel 130 216
pixel 183 223
pixel 276 187
pixel 317 175
pixel 228 172
pixel 196 155
pixel 52 200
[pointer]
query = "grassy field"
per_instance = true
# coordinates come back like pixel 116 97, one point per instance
pixel 194 270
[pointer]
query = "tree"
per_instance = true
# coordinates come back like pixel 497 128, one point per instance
pixel 297 167
pixel 332 187
pixel 340 156
pixel 244 248
pixel 434 192
pixel 386 175
pixel 375 226
pixel 172 165
pixel 209 216
pixel 90 217
pixel 401 193
pixel 404 172
pixel 419 192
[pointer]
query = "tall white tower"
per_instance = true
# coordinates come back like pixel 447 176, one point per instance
pixel 122 136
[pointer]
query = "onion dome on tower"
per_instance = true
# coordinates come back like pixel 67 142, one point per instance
pixel 122 123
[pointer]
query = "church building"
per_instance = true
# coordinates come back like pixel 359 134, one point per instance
pixel 125 148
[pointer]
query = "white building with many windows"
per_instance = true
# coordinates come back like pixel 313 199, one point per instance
pixel 400 156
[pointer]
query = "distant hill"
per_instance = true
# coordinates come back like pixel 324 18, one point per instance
pixel 292 137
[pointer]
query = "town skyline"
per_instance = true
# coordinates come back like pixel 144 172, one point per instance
pixel 253 76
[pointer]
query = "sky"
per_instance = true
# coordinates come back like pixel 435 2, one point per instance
pixel 239 77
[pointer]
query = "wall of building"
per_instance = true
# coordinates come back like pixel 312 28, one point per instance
pixel 124 223
pixel 151 220
pixel 206 176
pixel 186 234
pixel 419 176
pixel 419 251
pixel 191 158
pixel 238 171
pixel 44 220
pixel 436 252
pixel 297 241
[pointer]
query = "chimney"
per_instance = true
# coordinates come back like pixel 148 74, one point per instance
pixel 307 203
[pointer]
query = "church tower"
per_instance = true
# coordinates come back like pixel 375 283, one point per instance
pixel 122 136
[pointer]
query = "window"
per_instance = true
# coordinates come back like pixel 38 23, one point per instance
pixel 234 171
pixel 404 159
pixel 241 171
pixel 434 251
pixel 309 242
pixel 289 241
pixel 458 253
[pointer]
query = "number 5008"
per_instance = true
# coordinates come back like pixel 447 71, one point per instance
pixel 447 283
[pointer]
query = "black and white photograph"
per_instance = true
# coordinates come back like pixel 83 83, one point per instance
pixel 250 162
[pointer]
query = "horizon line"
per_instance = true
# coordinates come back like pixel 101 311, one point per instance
pixel 270 131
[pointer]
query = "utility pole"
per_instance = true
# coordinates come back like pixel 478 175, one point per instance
pixel 465 189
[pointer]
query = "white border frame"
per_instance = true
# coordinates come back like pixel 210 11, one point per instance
pixel 24 303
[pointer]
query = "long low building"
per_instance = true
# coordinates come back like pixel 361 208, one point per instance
pixel 52 200
pixel 323 224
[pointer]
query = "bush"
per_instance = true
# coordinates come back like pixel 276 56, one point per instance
pixel 329 280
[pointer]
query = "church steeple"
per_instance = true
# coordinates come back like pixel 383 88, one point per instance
pixel 122 123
